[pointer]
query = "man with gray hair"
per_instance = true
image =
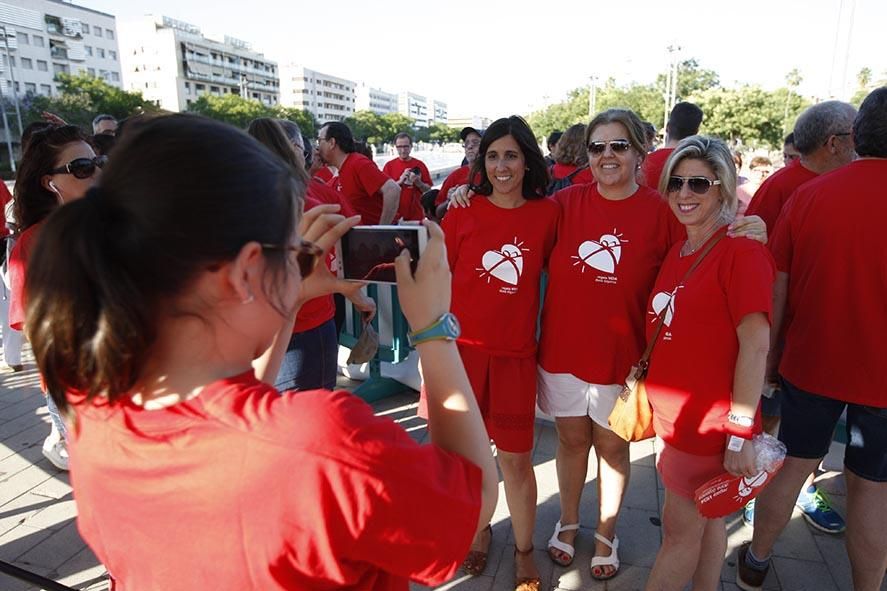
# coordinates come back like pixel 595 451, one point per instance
pixel 823 137
pixel 104 125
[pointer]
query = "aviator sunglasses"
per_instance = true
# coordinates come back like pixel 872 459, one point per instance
pixel 698 184
pixel 617 146
pixel 81 168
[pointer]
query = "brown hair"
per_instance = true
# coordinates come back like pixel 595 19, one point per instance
pixel 572 148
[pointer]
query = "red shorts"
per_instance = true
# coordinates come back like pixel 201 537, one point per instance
pixel 682 473
pixel 505 388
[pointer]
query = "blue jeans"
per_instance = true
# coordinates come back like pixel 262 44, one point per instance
pixel 56 417
pixel 310 360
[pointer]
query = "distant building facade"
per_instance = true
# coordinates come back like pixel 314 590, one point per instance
pixel 375 100
pixel 329 98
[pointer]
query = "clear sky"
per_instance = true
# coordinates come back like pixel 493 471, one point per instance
pixel 496 57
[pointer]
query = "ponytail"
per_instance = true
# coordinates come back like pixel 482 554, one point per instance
pixel 88 319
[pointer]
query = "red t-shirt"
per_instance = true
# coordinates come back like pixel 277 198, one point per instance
pixel 18 264
pixel 559 171
pixel 410 197
pixel 242 488
pixel 324 174
pixel 497 256
pixel 831 241
pixel 5 197
pixel 600 275
pixel 690 380
pixel 653 165
pixel 771 196
pixel 360 181
pixel 455 179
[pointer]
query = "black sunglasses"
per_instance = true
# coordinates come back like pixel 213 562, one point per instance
pixel 698 184
pixel 618 146
pixel 307 254
pixel 81 168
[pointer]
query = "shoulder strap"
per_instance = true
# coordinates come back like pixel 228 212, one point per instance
pixel 645 358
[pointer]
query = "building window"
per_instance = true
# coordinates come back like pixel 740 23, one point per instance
pixel 60 68
pixel 115 77
pixel 109 33
pixel 53 24
pixel 30 88
pixel 23 39
pixel 42 66
pixel 38 41
pixel 97 31
pixel 88 49
pixel 100 52
pixel 112 54
pixel 27 63
pixel 90 71
pixel 11 60
pixel 214 89
pixel 46 89
pixel 84 27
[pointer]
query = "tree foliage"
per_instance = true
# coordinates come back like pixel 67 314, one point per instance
pixel 239 111
pixel 378 129
pixel 82 97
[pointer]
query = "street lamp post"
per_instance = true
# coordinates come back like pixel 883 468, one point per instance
pixel 592 97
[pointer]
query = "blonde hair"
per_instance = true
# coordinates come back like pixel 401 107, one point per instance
pixel 717 155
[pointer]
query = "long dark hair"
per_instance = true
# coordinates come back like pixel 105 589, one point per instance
pixel 535 177
pixel 182 195
pixel 33 201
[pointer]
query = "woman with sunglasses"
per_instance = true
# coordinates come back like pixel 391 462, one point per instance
pixel 497 249
pixel 612 238
pixel 188 470
pixel 707 370
pixel 58 166
pixel 310 361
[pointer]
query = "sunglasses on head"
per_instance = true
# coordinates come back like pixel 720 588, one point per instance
pixel 81 168
pixel 618 146
pixel 697 184
pixel 307 254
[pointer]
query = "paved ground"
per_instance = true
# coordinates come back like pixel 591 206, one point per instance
pixel 38 531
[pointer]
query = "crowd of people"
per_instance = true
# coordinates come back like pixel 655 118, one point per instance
pixel 179 300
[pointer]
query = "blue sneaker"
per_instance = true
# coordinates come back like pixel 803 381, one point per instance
pixel 818 511
pixel 748 515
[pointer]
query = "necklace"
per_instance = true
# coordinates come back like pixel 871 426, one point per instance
pixel 688 249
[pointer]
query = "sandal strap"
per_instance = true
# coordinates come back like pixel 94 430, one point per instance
pixel 526 552
pixel 613 558
pixel 558 528
pixel 557 544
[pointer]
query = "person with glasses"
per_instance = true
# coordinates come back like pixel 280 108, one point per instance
pixel 58 166
pixel 411 174
pixel 683 121
pixel 711 323
pixel 612 237
pixel 471 143
pixel 188 467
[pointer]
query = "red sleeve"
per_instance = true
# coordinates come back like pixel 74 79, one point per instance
pixel 445 188
pixel 748 279
pixel 450 226
pixel 322 193
pixel 386 170
pixel 18 262
pixel 766 203
pixel 425 175
pixel 420 503
pixel 370 177
pixel 782 244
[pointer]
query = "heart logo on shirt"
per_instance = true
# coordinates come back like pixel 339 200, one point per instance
pixel 603 254
pixel 664 301
pixel 505 264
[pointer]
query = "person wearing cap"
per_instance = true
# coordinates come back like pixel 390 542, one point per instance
pixel 471 142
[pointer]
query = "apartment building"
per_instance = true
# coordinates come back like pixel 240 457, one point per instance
pixel 414 106
pixel 44 38
pixel 375 100
pixel 329 98
pixel 173 63
pixel 437 112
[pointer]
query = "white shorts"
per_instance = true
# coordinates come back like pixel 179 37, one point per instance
pixel 565 395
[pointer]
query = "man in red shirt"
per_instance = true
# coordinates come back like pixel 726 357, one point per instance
pixel 403 170
pixel 829 248
pixel 471 143
pixel 683 121
pixel 372 194
pixel 822 136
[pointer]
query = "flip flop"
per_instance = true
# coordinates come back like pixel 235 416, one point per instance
pixel 611 560
pixel 564 547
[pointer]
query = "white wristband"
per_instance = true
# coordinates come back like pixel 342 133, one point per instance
pixel 735 443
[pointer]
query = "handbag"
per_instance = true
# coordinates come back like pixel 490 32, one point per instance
pixel 632 416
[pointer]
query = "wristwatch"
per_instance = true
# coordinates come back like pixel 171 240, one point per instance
pixel 446 328
pixel 740 420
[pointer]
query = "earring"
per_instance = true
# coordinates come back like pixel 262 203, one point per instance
pixel 249 299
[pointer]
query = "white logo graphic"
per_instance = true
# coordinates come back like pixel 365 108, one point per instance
pixel 664 301
pixel 603 254
pixel 505 264
pixel 747 485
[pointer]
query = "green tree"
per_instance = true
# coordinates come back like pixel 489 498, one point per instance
pixel 692 78
pixel 394 123
pixel 306 120
pixel 367 125
pixel 81 97
pixel 231 108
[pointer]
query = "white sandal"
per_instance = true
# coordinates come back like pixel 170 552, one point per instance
pixel 611 560
pixel 564 547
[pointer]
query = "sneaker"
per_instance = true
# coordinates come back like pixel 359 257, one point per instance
pixel 55 450
pixel 748 514
pixel 748 578
pixel 818 511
